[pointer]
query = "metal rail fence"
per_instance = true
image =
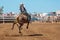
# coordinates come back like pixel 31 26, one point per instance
pixel 7 19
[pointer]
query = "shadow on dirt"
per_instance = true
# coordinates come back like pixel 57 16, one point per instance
pixel 24 35
pixel 35 35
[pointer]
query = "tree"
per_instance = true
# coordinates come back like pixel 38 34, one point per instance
pixel 1 10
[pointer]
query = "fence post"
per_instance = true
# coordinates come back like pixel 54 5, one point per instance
pixel 3 18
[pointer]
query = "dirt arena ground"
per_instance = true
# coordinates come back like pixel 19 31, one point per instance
pixel 36 31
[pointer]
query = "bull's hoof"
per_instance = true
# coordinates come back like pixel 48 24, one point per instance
pixel 27 27
pixel 19 32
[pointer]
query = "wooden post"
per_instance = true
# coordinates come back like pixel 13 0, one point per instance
pixel 3 18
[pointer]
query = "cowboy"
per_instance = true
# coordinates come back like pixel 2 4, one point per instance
pixel 24 11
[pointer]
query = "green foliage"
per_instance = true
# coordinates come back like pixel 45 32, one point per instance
pixel 1 10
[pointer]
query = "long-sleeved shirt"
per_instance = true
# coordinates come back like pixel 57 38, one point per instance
pixel 22 9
